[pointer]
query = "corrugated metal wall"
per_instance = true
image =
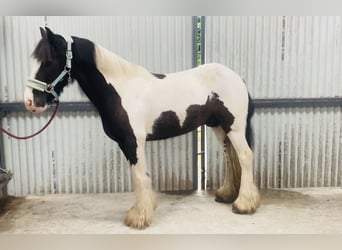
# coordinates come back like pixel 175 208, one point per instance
pixel 277 56
pixel 284 57
pixel 74 155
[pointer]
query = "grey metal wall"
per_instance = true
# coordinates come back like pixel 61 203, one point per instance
pixel 284 57
pixel 74 155
pixel 277 56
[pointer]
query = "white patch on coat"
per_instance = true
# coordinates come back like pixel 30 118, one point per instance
pixel 28 93
pixel 145 97
pixel 140 215
pixel 248 199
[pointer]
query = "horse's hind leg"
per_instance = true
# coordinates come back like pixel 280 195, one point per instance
pixel 249 198
pixel 140 215
pixel 229 191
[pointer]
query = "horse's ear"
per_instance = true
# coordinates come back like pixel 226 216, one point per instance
pixel 42 32
pixel 50 35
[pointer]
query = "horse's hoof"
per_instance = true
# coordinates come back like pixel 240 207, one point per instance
pixel 139 218
pixel 238 210
pixel 223 196
pixel 247 204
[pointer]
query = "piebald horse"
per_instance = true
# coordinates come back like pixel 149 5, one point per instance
pixel 138 106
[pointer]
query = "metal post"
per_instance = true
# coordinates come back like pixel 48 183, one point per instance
pixel 194 134
pixel 45 21
pixel 203 128
pixel 198 33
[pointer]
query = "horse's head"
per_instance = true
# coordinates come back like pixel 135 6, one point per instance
pixel 50 73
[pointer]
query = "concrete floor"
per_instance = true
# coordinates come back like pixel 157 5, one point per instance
pixel 282 211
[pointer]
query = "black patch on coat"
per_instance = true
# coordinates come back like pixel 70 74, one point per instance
pixel 159 76
pixel 165 126
pixel 213 114
pixel 105 98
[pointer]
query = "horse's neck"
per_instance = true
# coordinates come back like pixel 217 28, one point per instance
pixel 105 75
pixel 114 68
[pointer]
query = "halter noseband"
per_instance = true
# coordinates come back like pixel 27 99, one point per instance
pixel 50 88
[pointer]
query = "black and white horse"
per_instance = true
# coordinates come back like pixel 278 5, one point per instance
pixel 137 106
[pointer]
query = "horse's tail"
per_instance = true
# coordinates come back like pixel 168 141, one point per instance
pixel 249 131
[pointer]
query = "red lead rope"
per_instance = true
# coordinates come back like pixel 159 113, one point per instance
pixel 38 132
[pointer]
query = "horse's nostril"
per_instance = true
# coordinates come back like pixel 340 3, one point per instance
pixel 29 103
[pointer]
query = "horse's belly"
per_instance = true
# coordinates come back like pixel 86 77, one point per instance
pixel 162 136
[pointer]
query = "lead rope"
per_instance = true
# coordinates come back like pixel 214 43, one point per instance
pixel 37 133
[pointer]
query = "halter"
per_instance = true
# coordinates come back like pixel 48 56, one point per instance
pixel 50 88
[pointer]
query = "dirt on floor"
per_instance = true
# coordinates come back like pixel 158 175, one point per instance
pixel 281 211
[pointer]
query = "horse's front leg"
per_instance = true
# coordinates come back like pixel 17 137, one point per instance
pixel 140 215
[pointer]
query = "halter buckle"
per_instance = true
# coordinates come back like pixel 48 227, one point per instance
pixel 48 88
pixel 68 71
pixel 69 54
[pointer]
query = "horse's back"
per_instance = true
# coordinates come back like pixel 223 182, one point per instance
pixel 212 76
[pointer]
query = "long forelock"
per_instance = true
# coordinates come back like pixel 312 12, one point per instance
pixel 43 51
